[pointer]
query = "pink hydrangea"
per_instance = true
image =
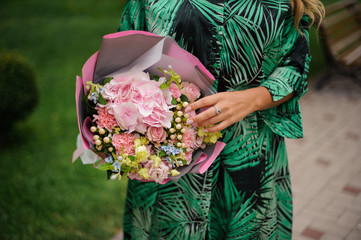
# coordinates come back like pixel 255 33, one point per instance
pixel 152 104
pixel 159 118
pixel 126 115
pixel 138 102
pixel 157 174
pixel 124 141
pixel 104 119
pixel 191 91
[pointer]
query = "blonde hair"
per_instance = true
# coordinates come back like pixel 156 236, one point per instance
pixel 314 9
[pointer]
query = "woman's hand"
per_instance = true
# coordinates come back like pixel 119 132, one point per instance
pixel 233 106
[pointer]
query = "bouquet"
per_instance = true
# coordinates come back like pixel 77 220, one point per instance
pixel 133 118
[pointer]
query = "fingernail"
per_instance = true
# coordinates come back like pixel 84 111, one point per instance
pixel 188 109
pixel 189 121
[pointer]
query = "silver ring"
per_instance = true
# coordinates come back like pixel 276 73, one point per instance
pixel 218 111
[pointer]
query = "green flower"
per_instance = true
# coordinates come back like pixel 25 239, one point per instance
pixel 141 153
pixel 209 138
pixel 143 172
pixel 174 173
pixel 156 160
pixel 141 141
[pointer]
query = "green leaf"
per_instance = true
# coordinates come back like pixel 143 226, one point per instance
pixel 184 98
pixel 132 158
pixel 125 169
pixel 101 100
pixel 162 154
pixel 154 77
pixel 109 174
pixel 107 80
pixel 97 163
pixel 106 167
pixel 164 85
pixel 174 101
pixel 114 156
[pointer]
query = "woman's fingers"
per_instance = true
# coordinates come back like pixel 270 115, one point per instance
pixel 230 110
pixel 205 118
pixel 203 102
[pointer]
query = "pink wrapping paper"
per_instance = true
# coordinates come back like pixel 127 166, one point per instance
pixel 130 51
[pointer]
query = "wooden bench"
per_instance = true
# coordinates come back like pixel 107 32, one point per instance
pixel 340 34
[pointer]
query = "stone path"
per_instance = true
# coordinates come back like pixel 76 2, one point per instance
pixel 326 164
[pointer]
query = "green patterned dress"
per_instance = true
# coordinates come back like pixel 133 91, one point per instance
pixel 246 193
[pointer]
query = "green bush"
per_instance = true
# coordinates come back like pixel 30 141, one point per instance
pixel 18 92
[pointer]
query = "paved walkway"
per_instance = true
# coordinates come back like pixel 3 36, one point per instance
pixel 326 164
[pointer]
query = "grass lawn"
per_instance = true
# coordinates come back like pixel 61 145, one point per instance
pixel 42 194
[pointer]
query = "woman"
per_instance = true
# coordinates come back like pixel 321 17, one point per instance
pixel 258 53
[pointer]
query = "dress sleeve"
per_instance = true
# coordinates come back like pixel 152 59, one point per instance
pixel 290 76
pixel 133 17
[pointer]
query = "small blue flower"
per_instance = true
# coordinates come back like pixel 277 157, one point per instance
pixel 116 166
pixel 164 147
pixel 120 158
pixel 174 151
pixel 109 159
pixel 93 97
pixel 168 159
pixel 171 150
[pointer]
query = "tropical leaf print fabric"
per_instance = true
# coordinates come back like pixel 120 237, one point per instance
pixel 246 193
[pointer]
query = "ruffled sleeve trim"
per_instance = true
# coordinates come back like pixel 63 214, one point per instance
pixel 285 119
pixel 281 82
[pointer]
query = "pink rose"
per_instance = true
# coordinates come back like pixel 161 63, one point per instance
pixel 134 175
pixel 157 174
pixel 156 134
pixel 184 84
pixel 192 92
pixel 175 90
